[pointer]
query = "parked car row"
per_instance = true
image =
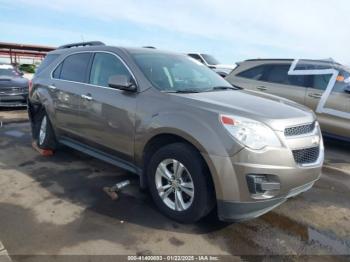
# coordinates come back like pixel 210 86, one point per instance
pixel 196 142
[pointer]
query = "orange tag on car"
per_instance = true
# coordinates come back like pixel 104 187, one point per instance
pixel 340 78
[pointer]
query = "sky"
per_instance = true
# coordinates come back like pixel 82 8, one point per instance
pixel 231 30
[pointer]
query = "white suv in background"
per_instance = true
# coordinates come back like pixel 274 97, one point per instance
pixel 213 63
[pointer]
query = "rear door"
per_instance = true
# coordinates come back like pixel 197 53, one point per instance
pixel 69 83
pixel 108 114
pixel 276 81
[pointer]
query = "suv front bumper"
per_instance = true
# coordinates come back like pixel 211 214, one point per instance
pixel 240 211
pixel 235 200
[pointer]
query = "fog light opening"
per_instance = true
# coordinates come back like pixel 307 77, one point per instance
pixel 262 185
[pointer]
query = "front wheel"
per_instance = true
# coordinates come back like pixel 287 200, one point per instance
pixel 180 183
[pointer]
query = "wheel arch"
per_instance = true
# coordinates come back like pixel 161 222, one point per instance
pixel 37 103
pixel 162 139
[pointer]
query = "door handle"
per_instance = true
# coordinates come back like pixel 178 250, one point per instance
pixel 261 88
pixel 87 97
pixel 315 95
pixel 52 87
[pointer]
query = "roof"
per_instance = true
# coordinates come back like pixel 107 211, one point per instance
pixel 80 47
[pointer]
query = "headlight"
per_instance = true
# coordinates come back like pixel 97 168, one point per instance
pixel 251 133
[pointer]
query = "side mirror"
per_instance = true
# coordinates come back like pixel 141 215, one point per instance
pixel 122 82
pixel 347 89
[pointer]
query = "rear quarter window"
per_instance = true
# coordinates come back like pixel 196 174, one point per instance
pixel 46 62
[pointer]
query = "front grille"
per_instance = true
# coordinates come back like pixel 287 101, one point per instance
pixel 307 155
pixel 12 90
pixel 299 130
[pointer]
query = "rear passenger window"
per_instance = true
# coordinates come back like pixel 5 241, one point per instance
pixel 74 67
pixel 104 66
pixel 255 73
pixel 279 74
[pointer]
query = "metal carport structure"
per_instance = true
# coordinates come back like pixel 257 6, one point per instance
pixel 14 51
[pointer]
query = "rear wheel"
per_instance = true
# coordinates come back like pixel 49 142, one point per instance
pixel 44 134
pixel 180 184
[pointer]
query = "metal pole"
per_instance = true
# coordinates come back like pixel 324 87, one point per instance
pixel 11 56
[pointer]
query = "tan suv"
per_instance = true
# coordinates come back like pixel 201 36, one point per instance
pixel 195 141
pixel 272 76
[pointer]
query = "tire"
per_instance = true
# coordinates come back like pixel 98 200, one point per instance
pixel 43 131
pixel 194 180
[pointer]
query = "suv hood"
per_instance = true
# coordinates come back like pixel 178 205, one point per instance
pixel 276 112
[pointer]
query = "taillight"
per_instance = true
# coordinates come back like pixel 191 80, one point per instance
pixel 30 86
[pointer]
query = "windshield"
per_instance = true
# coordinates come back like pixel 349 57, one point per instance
pixel 8 72
pixel 210 59
pixel 176 73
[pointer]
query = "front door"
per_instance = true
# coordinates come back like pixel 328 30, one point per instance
pixel 108 114
pixel 334 112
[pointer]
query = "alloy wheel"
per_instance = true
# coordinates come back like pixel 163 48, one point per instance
pixel 174 184
pixel 42 132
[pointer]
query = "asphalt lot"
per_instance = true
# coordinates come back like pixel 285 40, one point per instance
pixel 56 205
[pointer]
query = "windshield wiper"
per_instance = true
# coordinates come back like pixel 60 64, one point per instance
pixel 223 88
pixel 186 91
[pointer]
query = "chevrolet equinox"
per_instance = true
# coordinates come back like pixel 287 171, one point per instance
pixel 196 142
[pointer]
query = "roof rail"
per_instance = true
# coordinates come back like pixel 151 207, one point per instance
pixel 327 61
pixel 91 43
pixel 270 59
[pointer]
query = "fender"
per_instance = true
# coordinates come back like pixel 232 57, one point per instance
pixel 200 134
pixel 184 125
pixel 41 95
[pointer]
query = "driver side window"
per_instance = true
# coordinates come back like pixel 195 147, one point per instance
pixel 104 66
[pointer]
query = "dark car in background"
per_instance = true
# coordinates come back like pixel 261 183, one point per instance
pixel 13 87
